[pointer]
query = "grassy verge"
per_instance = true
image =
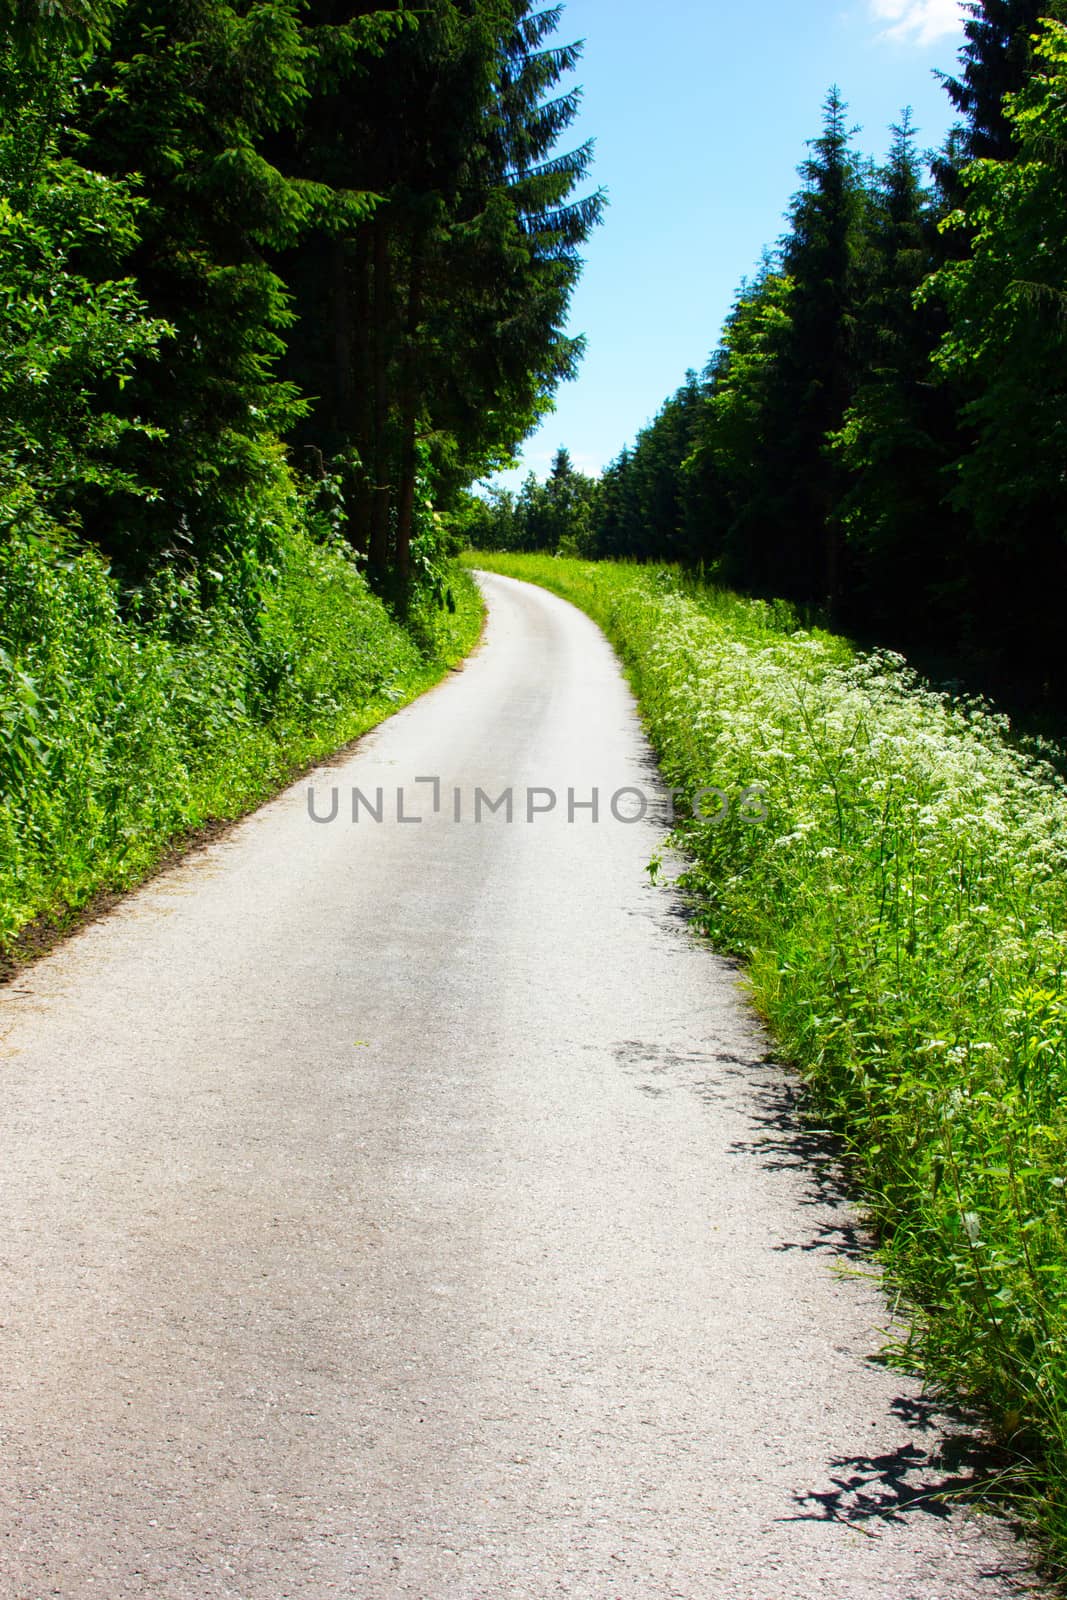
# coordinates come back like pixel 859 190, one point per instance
pixel 903 913
pixel 125 730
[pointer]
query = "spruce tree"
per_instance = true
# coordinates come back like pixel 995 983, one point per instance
pixel 1006 350
pixel 821 258
pixel 995 61
pixel 616 532
pixel 781 384
pixel 183 98
pixel 449 303
pixel 897 433
pixel 743 487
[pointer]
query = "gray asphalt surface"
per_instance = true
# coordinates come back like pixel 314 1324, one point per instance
pixel 413 1210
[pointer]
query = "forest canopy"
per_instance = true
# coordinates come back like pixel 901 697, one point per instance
pixel 243 237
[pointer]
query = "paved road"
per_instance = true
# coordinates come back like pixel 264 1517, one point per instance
pixel 411 1210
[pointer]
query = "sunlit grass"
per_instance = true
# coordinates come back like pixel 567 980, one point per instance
pixel 123 730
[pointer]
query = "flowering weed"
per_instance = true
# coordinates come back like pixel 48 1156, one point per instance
pixel 903 914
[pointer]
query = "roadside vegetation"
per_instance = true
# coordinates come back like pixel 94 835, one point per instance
pixel 902 912
pixel 129 723
pixel 278 278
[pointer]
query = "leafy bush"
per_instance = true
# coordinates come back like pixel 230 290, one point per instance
pixel 903 911
pixel 126 726
pixel 70 342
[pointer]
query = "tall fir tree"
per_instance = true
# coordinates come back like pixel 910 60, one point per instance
pixel 781 383
pixel 617 532
pixel 898 433
pixel 182 100
pixel 1006 349
pixel 449 304
pixel 734 476
pixel 995 61
pixel 822 258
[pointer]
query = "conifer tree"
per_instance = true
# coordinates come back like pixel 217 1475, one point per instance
pixel 782 381
pixel 526 228
pixel 895 440
pixel 616 526
pixel 449 303
pixel 821 257
pixel 995 61
pixel 1006 348
pixel 183 99
pixel 733 468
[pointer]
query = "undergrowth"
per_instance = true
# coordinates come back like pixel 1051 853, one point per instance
pixel 128 721
pixel 903 914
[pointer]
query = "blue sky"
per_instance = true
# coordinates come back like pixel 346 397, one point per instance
pixel 701 110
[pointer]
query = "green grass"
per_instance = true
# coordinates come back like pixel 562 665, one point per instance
pixel 903 915
pixel 125 729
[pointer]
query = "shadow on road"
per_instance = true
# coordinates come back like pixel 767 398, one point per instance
pixel 884 1488
pixel 946 1461
pixel 784 1139
pixel 870 1492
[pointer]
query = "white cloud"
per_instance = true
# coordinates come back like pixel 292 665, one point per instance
pixel 918 21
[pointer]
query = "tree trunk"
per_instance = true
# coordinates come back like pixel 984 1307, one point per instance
pixel 379 462
pixel 833 565
pixel 409 461
pixel 405 517
pixel 360 426
pixel 347 401
pixel 343 385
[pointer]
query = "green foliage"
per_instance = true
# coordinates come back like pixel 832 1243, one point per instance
pixel 899 430
pixel 125 728
pixel 41 29
pixel 366 205
pixel 1006 347
pixel 994 62
pixel 738 424
pixel 70 343
pixel 182 101
pixel 903 910
pixel 437 325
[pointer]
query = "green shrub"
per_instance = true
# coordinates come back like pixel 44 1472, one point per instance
pixel 127 725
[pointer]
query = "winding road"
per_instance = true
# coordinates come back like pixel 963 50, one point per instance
pixel 412 1209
